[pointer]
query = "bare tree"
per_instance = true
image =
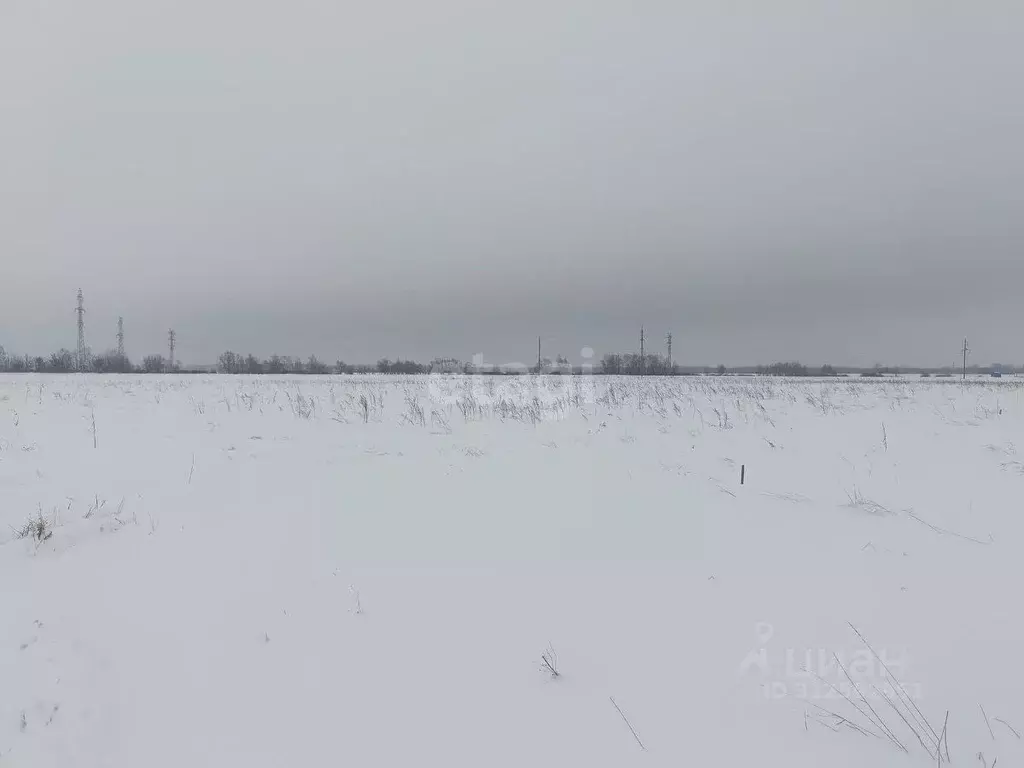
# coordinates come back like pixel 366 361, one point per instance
pixel 62 361
pixel 154 364
pixel 230 362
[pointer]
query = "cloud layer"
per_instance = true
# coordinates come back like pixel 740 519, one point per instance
pixel 830 182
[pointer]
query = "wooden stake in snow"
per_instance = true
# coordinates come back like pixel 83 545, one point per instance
pixel 743 473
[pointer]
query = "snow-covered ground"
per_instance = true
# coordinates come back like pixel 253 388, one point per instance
pixel 367 571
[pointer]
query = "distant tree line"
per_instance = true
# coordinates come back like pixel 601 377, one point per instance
pixel 632 364
pixel 232 362
pixel 794 368
pixel 619 364
pixel 66 361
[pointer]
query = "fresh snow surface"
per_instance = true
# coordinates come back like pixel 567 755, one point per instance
pixel 366 571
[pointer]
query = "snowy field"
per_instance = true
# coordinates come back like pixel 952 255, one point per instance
pixel 367 571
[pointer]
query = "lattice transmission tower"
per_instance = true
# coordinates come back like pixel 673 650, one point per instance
pixel 80 311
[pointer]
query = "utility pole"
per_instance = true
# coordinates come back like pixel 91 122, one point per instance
pixel 668 338
pixel 538 355
pixel 643 360
pixel 80 311
pixel 120 337
pixel 966 350
pixel 171 337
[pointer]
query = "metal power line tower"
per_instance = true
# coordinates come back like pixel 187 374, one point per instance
pixel 80 311
pixel 171 338
pixel 668 339
pixel 120 337
pixel 643 359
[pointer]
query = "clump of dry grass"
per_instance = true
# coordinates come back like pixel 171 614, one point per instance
pixel 37 528
pixel 413 412
pixel 860 501
pixel 549 662
pixel 879 722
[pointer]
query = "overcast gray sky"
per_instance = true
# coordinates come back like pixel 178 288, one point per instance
pixel 830 181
